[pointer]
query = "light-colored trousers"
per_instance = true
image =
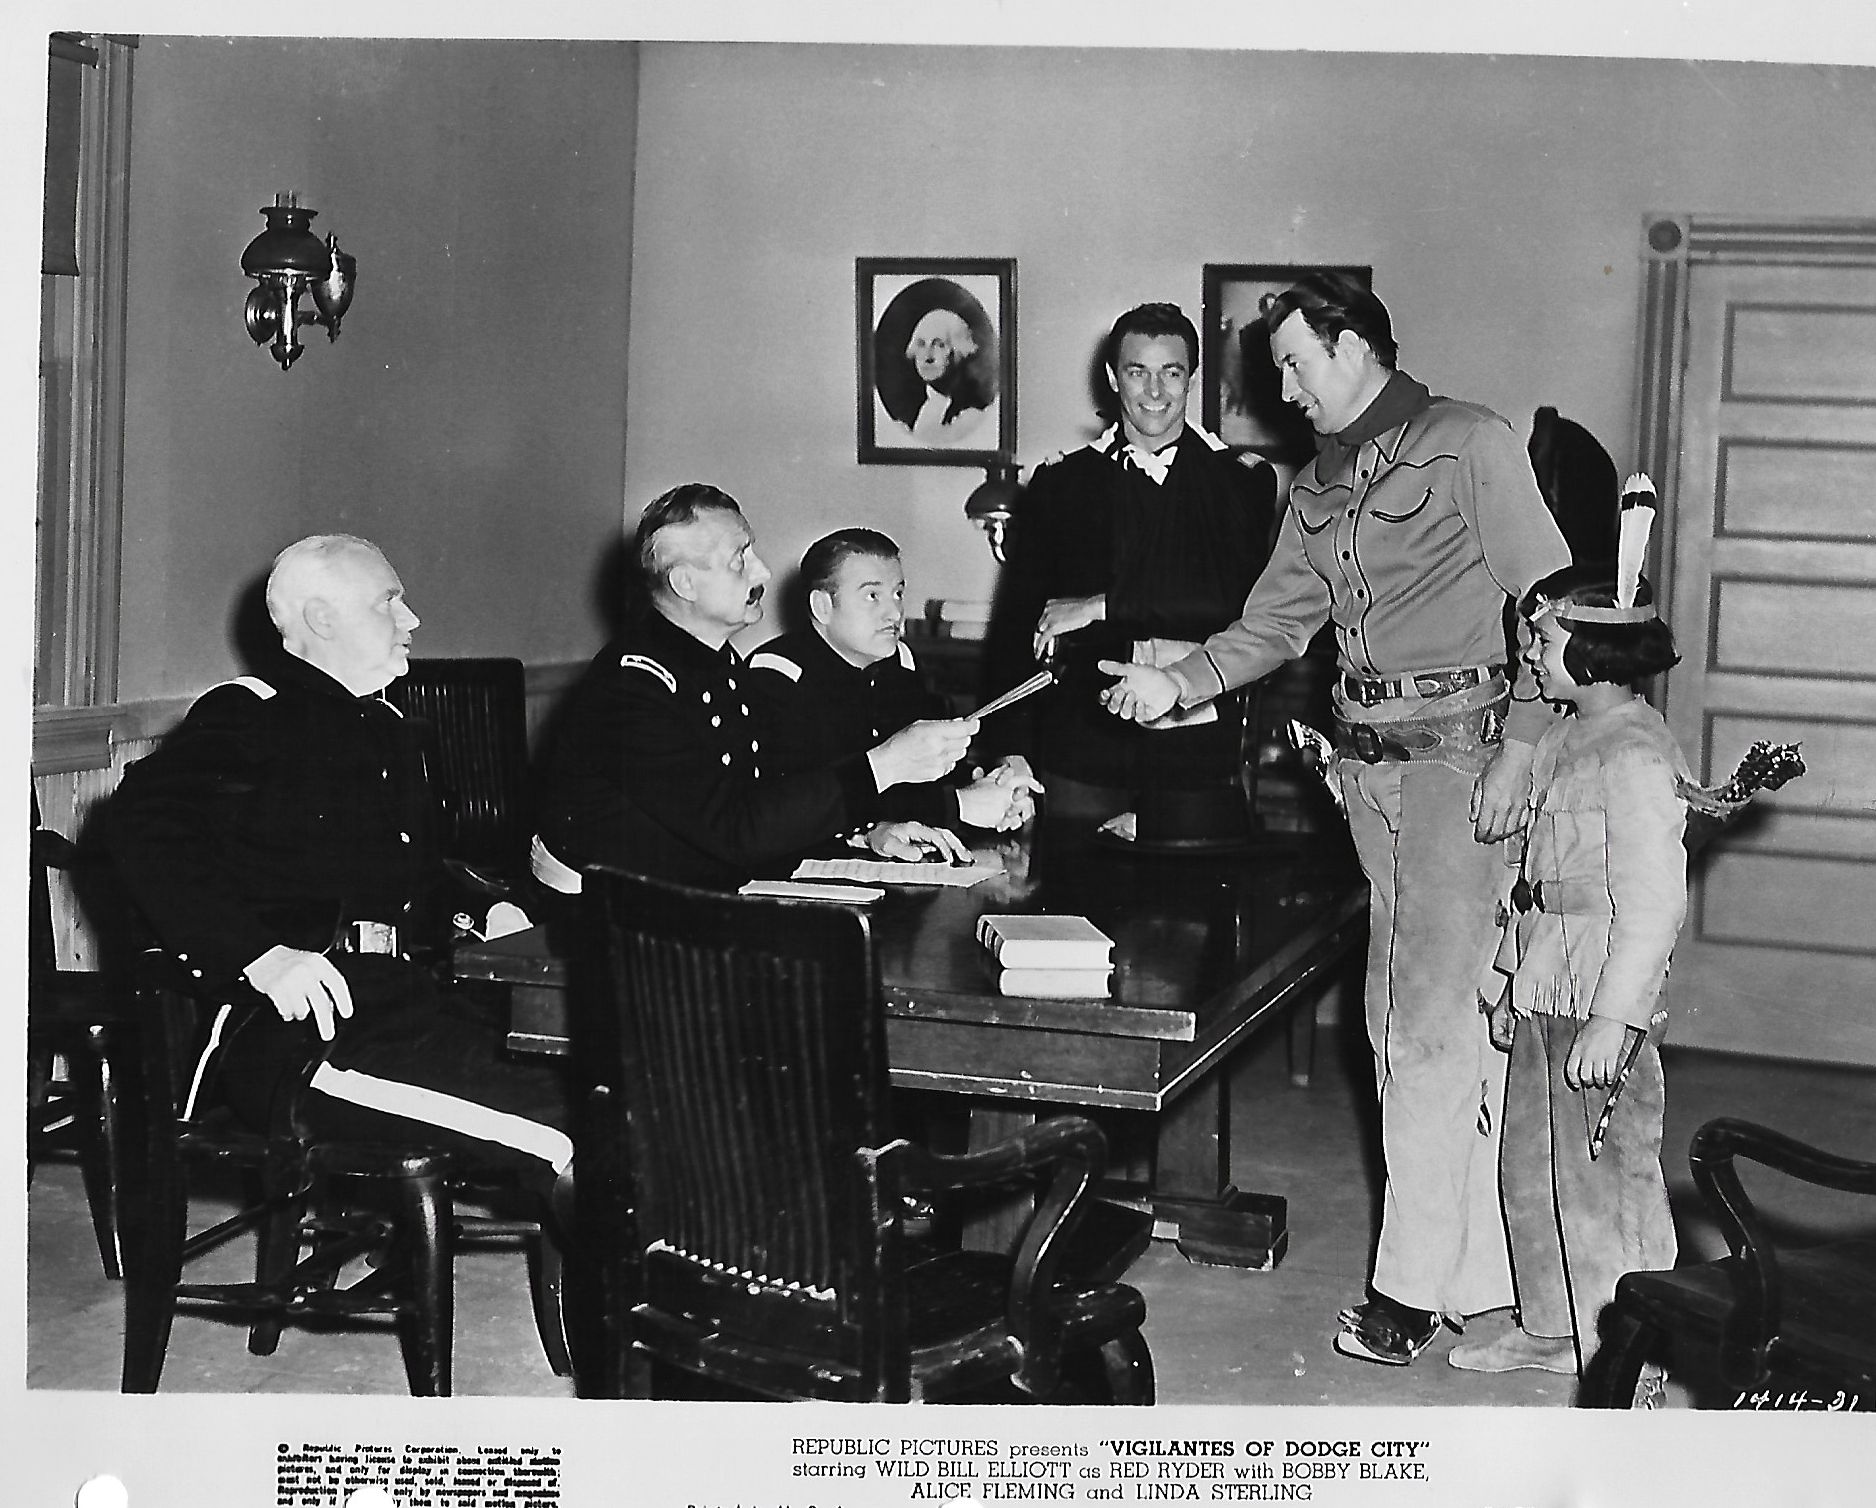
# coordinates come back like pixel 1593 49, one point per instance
pixel 1576 1224
pixel 1434 892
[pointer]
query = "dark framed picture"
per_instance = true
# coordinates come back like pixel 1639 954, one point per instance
pixel 937 360
pixel 1243 397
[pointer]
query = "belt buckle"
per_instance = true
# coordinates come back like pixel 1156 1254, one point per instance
pixel 374 937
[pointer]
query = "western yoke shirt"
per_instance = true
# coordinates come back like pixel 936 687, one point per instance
pixel 1413 530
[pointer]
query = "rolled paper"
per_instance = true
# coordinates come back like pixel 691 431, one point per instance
pixel 1016 693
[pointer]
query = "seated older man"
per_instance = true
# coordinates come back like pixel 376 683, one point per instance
pixel 660 766
pixel 280 843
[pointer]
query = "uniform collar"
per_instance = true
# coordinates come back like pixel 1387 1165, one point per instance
pixel 291 670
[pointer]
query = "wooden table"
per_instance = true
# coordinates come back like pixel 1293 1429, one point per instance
pixel 1209 949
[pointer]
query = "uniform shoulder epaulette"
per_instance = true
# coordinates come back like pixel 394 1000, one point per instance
pixel 651 667
pixel 768 659
pixel 251 683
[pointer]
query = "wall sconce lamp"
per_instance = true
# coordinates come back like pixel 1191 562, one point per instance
pixel 287 260
pixel 992 503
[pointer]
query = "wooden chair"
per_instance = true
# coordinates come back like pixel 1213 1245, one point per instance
pixel 78 1029
pixel 474 713
pixel 750 1199
pixel 315 1207
pixel 1779 1317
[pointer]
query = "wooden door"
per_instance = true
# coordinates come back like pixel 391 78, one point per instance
pixel 1759 400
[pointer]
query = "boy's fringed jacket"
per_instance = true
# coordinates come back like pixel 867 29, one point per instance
pixel 1603 888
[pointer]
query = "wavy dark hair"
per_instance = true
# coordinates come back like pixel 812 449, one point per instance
pixel 1331 302
pixel 823 559
pixel 1618 653
pixel 1153 320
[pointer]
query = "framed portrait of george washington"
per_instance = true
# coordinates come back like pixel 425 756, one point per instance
pixel 936 343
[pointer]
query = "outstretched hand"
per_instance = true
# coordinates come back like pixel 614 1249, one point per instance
pixel 1141 693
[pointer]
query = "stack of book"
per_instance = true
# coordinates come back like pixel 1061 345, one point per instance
pixel 1060 957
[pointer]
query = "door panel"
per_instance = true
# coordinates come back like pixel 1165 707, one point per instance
pixel 1771 590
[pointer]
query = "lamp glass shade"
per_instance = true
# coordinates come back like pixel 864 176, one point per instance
pixel 287 247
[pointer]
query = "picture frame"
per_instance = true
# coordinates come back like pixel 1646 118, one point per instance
pixel 1242 401
pixel 954 402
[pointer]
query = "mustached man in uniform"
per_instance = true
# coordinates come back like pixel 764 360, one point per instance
pixel 661 768
pixel 281 845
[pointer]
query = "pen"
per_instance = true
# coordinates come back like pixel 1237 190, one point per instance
pixel 1636 1036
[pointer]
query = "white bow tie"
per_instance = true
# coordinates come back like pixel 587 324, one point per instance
pixel 1154 464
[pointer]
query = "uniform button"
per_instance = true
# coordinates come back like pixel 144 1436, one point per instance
pixel 745 709
pixel 754 745
pixel 706 697
pixel 403 837
pixel 726 759
pixel 731 681
pixel 1346 555
pixel 195 973
pixel 407 905
pixel 758 772
pixel 715 721
pixel 1351 512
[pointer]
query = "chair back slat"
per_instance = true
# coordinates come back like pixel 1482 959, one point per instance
pixel 753 1071
pixel 474 712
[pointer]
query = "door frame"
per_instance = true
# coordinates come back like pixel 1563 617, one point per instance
pixel 1673 245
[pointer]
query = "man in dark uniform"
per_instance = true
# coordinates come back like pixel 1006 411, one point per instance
pixel 280 842
pixel 1133 547
pixel 660 768
pixel 848 680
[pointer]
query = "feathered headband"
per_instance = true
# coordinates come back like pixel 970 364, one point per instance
pixel 1634 522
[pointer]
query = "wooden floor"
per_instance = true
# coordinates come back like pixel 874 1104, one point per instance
pixel 1219 1336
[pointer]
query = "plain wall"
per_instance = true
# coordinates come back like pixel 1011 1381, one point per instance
pixel 470 417
pixel 1500 202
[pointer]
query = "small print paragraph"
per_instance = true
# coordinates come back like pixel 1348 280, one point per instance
pixel 416 1476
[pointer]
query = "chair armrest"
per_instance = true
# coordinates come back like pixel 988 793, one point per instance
pixel 1758 1308
pixel 1037 1146
pixel 475 881
pixel 1719 1141
pixel 1077 1151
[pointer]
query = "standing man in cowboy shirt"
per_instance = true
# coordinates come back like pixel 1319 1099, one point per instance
pixel 1415 527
